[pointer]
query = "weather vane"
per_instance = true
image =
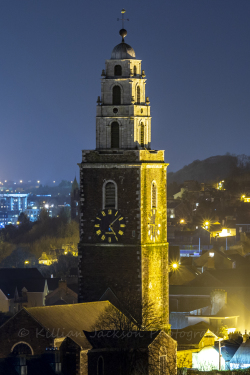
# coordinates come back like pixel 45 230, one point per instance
pixel 123 19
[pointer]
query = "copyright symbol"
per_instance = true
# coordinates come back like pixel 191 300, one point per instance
pixel 23 332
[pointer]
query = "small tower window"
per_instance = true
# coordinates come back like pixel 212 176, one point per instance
pixel 142 135
pixel 138 94
pixel 116 95
pixel 154 194
pixel 115 135
pixel 135 72
pixel 100 366
pixel 118 70
pixel 110 195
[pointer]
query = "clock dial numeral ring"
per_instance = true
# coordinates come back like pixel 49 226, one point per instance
pixel 109 226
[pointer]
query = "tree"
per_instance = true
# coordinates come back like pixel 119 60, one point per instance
pixel 118 329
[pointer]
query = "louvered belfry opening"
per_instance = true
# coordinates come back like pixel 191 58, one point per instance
pixel 110 195
pixel 138 94
pixel 135 70
pixel 116 95
pixel 118 70
pixel 154 193
pixel 142 135
pixel 115 135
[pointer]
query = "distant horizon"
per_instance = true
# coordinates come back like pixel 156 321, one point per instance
pixel 56 183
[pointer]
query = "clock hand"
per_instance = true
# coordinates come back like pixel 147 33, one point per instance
pixel 115 220
pixel 112 229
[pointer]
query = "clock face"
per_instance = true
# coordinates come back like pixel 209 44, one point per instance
pixel 153 226
pixel 109 225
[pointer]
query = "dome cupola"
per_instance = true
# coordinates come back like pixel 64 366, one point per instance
pixel 123 50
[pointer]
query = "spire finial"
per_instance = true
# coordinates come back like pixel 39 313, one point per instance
pixel 123 32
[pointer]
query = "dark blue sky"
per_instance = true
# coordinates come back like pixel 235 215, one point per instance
pixel 196 55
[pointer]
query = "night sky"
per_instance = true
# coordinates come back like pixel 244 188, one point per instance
pixel 195 53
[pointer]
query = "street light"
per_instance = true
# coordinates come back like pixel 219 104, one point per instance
pixel 174 266
pixel 220 355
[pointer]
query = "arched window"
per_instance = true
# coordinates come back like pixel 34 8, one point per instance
pixel 116 95
pixel 138 94
pixel 114 135
pixel 135 70
pixel 118 70
pixel 142 135
pixel 22 348
pixel 100 366
pixel 109 195
pixel 154 194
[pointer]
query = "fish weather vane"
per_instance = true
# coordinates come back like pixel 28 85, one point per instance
pixel 123 11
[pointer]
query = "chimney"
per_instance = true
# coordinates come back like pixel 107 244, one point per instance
pixel 62 284
pixel 245 337
pixel 210 260
pixel 218 300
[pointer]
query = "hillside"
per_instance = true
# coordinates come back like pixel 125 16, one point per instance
pixel 215 168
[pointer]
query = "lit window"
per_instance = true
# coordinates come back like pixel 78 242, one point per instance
pixel 211 254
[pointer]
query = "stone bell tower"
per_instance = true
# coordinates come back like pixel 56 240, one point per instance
pixel 123 215
pixel 123 99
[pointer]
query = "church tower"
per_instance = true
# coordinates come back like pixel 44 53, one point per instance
pixel 123 208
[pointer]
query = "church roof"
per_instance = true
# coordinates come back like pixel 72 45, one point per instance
pixel 70 320
pixel 123 51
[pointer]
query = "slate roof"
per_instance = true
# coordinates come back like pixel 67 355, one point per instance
pixel 229 347
pixel 242 355
pixel 70 320
pixel 191 335
pixel 121 339
pixel 182 275
pixel 206 279
pixel 32 285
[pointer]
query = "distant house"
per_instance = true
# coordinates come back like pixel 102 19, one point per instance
pixel 178 210
pixel 195 346
pixel 61 295
pixel 21 287
pixel 180 193
pixel 47 259
pixel 213 259
pixel 195 237
pixel 218 230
